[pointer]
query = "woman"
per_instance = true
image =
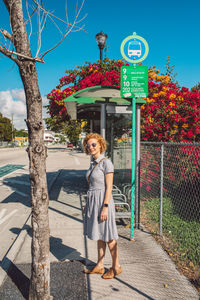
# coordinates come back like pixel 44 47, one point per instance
pixel 100 210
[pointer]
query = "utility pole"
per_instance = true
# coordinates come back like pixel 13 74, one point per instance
pixel 12 128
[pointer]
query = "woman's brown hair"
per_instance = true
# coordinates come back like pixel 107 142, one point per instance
pixel 99 139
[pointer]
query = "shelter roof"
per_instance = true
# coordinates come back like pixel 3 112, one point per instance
pixel 101 94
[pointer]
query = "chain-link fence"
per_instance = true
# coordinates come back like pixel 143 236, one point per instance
pixel 170 194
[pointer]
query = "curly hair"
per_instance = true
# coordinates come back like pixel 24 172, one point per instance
pixel 99 139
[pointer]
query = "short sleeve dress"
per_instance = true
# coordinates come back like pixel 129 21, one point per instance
pixel 94 228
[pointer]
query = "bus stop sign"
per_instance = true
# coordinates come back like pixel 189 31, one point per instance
pixel 134 49
pixel 134 81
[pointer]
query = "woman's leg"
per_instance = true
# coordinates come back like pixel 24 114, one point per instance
pixel 101 246
pixel 99 268
pixel 116 268
pixel 112 245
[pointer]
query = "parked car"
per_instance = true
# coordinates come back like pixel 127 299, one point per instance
pixel 70 145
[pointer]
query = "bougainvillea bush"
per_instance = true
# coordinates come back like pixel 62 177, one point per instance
pixel 172 113
pixel 107 73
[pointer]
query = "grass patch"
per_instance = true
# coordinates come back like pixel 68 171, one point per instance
pixel 185 235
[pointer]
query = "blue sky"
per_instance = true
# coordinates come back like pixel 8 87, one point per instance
pixel 171 28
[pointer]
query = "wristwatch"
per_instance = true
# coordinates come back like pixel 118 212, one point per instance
pixel 105 204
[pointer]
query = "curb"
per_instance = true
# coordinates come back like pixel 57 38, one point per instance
pixel 18 242
pixel 13 251
pixel 12 148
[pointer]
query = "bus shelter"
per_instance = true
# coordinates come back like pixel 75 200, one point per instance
pixel 117 119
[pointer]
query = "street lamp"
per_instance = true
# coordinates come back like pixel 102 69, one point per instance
pixel 101 42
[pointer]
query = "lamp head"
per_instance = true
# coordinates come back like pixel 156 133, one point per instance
pixel 101 39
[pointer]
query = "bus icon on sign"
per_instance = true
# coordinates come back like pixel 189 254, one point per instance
pixel 134 48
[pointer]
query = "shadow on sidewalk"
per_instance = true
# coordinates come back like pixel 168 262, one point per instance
pixel 20 185
pixel 57 248
pixel 134 289
pixel 71 182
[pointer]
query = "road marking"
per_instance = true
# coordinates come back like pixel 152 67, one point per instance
pixel 77 161
pixel 2 213
pixel 2 166
pixel 6 170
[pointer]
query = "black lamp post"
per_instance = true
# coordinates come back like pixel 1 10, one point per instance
pixel 101 42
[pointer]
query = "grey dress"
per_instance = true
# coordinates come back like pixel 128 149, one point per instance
pixel 93 227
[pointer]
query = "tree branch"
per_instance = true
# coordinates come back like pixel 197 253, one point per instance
pixel 30 16
pixel 41 24
pixel 67 31
pixel 29 20
pixel 7 35
pixel 64 36
pixel 10 55
pixel 65 22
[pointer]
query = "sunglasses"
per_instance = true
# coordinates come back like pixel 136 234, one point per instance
pixel 93 145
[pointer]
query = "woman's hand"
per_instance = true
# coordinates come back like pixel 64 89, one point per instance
pixel 104 214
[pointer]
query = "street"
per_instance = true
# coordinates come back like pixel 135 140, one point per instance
pixel 15 187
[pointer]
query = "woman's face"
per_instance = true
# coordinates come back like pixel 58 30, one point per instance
pixel 94 148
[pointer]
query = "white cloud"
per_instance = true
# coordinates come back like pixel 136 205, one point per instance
pixel 12 102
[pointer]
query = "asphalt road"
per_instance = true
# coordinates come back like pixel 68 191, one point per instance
pixel 14 195
pixel 13 156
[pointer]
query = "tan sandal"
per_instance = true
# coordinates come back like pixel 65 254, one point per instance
pixel 111 273
pixel 95 270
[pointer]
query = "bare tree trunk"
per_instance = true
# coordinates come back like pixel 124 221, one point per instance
pixel 21 55
pixel 40 277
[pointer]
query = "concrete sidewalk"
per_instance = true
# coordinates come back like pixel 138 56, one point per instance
pixel 148 272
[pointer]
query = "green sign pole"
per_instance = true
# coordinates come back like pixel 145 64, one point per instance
pixel 133 170
pixel 134 84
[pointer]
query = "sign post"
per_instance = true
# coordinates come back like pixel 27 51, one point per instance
pixel 134 84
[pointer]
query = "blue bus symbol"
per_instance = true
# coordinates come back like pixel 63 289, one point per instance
pixel 134 48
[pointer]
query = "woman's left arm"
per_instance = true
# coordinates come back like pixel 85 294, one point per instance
pixel 108 195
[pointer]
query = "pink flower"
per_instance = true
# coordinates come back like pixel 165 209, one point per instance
pixel 148 188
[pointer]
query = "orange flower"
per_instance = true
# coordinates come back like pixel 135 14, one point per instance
pixel 162 94
pixel 172 96
pixel 165 88
pixel 173 131
pixel 150 120
pixel 180 98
